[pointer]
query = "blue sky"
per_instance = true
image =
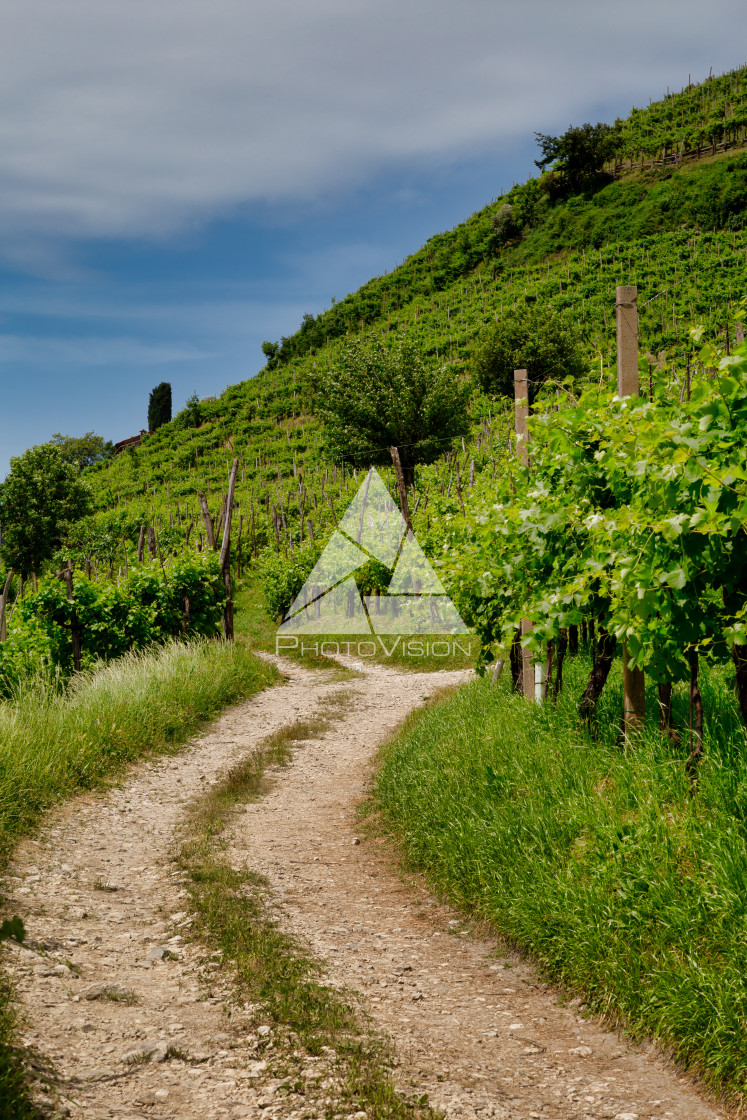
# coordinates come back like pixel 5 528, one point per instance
pixel 181 179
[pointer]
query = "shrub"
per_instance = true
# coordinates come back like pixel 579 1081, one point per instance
pixel 539 341
pixel 41 496
pixel 504 224
pixel 184 599
pixel 282 579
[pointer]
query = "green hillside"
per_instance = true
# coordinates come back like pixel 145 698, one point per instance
pixel 667 213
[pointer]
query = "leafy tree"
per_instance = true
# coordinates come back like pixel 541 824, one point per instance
pixel 83 451
pixel 504 225
pixel 159 406
pixel 41 496
pixel 191 414
pixel 539 341
pixel 270 351
pixel 580 153
pixel 375 398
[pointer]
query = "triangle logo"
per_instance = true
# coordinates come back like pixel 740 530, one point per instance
pixel 373 528
pixel 373 521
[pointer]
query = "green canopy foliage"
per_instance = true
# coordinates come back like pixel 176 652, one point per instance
pixel 191 415
pixel 538 340
pixel 159 406
pixel 632 512
pixel 83 451
pixel 505 225
pixel 41 496
pixel 376 397
pixel 183 599
pixel 580 153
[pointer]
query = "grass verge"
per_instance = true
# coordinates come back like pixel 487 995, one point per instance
pixel 593 857
pixel 267 966
pixel 52 746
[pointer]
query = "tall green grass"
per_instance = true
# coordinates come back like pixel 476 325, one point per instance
pixel 53 745
pixel 593 856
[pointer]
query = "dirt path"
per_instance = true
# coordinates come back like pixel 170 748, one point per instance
pixel 475 1031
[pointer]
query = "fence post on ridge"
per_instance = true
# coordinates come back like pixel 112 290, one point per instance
pixel 521 397
pixel 626 308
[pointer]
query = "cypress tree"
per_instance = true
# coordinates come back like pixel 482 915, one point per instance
pixel 159 406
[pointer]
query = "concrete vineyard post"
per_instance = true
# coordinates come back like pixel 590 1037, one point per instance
pixel 521 399
pixel 527 664
pixel 626 308
pixel 540 682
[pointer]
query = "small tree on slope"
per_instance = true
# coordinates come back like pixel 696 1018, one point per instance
pixel 580 153
pixel 39 498
pixel 375 398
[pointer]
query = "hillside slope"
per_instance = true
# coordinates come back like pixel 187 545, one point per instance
pixel 672 223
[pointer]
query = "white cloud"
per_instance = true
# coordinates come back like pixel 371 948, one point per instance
pixel 140 117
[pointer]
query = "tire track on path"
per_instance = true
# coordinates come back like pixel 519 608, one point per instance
pixel 476 1031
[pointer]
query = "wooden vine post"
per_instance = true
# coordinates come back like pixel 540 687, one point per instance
pixel 402 488
pixel 4 596
pixel 206 518
pixel 521 398
pixel 626 308
pixel 75 635
pixel 225 556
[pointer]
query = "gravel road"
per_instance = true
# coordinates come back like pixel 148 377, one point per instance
pixel 133 1017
